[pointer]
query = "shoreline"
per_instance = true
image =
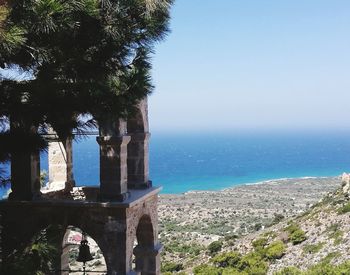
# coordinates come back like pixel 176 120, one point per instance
pixel 205 216
pixel 278 180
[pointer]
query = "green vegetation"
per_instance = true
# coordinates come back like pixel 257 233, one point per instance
pixel 228 259
pixel 38 257
pixel 330 257
pixel 344 209
pixel 255 262
pixel 275 250
pixel 206 269
pixel 171 267
pixel 296 234
pixel 214 247
pixel 259 244
pixel 313 248
pixel 335 233
pixel 73 54
pixel 290 270
pixel 277 218
pixel 319 269
pixel 178 247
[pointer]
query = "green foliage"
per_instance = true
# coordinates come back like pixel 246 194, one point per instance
pixel 178 247
pixel 344 209
pixel 313 248
pixel 205 269
pixel 259 244
pixel 230 237
pixel 214 247
pixel 275 250
pixel 171 267
pixel 290 270
pixel 322 268
pixel 233 271
pixel 277 218
pixel 229 259
pixel 296 234
pixel 79 57
pixel 297 237
pixel 43 177
pixel 38 257
pixel 253 263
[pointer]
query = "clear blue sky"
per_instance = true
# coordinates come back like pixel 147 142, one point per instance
pixel 232 64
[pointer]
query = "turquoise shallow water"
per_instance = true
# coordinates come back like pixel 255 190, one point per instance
pixel 213 161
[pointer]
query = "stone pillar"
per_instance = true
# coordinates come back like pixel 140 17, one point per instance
pixel 60 158
pixel 65 253
pixel 148 259
pixel 113 160
pixel 138 151
pixel 25 162
pixel 25 175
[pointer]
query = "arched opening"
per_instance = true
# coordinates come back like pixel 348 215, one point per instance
pixel 138 159
pixel 146 251
pixel 144 232
pixel 70 252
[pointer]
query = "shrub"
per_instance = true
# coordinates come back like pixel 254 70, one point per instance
pixel 297 237
pixel 232 271
pixel 253 263
pixel 214 247
pixel 290 270
pixel 259 243
pixel 275 250
pixel 171 267
pixel 344 209
pixel 230 237
pixel 205 269
pixel 296 234
pixel 229 259
pixel 191 249
pixel 277 218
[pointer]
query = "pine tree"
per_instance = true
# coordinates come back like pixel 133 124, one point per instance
pixel 76 58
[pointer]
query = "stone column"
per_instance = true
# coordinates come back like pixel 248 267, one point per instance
pixel 60 158
pixel 64 265
pixel 25 162
pixel 25 175
pixel 113 160
pixel 148 259
pixel 138 149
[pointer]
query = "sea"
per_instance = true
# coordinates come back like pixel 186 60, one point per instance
pixel 181 162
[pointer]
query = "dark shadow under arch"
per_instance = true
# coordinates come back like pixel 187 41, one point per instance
pixel 145 232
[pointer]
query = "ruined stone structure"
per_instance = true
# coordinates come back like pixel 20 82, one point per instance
pixel 117 214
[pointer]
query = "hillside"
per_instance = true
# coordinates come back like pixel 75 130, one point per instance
pixel 293 227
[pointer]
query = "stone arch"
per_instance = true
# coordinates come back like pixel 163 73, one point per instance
pixel 147 251
pixel 70 246
pixel 145 232
pixel 138 158
pixel 138 123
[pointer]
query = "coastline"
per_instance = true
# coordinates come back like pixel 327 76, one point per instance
pixel 204 216
pixel 276 180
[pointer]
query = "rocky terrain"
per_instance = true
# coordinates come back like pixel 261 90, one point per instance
pixel 236 217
